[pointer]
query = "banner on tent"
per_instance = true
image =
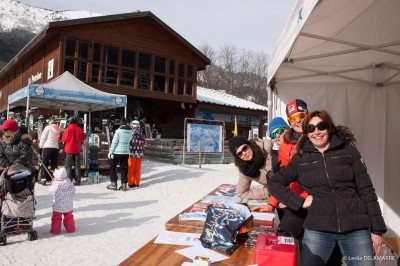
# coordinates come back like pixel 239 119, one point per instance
pixel 67 95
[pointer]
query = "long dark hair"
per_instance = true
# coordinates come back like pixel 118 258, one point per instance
pixel 241 164
pixel 288 137
pixel 325 116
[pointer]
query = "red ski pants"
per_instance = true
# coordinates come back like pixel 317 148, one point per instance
pixel 134 171
pixel 69 222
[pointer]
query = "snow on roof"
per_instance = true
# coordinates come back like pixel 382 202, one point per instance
pixel 220 97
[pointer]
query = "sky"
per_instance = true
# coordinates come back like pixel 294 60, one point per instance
pixel 246 24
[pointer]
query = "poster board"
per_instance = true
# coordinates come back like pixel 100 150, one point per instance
pixel 205 136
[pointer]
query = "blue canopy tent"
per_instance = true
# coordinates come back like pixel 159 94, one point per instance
pixel 65 92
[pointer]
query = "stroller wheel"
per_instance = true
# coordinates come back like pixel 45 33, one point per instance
pixel 32 236
pixel 3 240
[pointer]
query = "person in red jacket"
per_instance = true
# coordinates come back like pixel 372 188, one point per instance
pixel 73 137
pixel 291 221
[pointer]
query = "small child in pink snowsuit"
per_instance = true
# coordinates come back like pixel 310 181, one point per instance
pixel 63 191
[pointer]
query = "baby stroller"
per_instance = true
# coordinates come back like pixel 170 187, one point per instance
pixel 17 203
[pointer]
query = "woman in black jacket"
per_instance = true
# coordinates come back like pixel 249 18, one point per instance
pixel 342 203
pixel 15 145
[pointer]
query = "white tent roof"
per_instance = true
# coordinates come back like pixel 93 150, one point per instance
pixel 344 56
pixel 66 92
pixel 356 41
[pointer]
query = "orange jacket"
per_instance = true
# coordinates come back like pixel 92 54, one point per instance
pixel 286 152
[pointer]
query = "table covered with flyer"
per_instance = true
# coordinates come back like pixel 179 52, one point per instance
pixel 219 229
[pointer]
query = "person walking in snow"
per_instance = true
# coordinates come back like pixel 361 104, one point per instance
pixel 137 145
pixel 49 145
pixel 63 191
pixel 119 154
pixel 73 138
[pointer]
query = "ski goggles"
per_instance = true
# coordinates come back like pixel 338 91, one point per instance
pixel 278 131
pixel 310 128
pixel 294 117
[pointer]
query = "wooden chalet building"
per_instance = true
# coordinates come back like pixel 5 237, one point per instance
pixel 134 54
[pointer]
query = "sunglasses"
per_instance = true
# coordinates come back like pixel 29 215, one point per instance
pixel 278 131
pixel 294 117
pixel 245 149
pixel 310 128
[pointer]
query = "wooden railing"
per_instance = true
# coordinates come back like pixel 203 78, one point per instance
pixel 171 151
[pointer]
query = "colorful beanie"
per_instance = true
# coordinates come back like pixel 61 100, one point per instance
pixel 295 106
pixel 277 122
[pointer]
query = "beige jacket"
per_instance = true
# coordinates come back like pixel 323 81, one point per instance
pixel 243 187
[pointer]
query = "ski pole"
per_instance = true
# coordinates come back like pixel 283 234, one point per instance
pixel 42 164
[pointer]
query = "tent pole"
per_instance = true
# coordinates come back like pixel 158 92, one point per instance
pixel 27 112
pixel 269 104
pixel 126 112
pixel 8 111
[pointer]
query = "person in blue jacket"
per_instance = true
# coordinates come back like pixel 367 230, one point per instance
pixel 119 154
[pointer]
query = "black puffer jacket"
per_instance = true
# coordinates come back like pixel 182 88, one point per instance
pixel 16 149
pixel 344 198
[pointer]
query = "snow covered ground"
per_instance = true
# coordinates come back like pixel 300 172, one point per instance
pixel 111 225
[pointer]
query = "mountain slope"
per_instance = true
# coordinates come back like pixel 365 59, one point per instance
pixel 19 23
pixel 13 15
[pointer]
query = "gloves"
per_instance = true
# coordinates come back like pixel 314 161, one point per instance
pixel 110 155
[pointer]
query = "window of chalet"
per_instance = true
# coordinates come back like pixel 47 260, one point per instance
pixel 144 71
pixel 76 58
pixel 96 62
pixel 160 68
pixel 69 66
pixel 181 79
pixel 82 70
pixel 189 80
pixel 110 66
pixel 70 47
pixel 185 79
pixel 128 68
pixel 171 76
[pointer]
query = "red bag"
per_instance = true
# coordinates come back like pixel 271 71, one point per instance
pixel 275 250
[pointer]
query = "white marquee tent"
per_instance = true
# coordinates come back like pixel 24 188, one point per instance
pixel 344 56
pixel 68 93
pixel 65 92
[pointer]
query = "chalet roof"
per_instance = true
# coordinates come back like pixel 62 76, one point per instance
pixel 220 97
pixel 116 17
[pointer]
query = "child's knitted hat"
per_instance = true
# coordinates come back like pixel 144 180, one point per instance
pixel 60 173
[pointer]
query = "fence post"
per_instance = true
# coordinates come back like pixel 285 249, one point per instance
pixel 199 154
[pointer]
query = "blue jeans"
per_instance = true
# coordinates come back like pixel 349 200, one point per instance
pixel 356 247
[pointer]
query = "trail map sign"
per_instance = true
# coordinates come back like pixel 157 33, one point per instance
pixel 206 135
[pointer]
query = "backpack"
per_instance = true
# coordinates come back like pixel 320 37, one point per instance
pixel 226 227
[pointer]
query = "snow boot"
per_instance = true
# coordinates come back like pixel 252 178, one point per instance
pixel 123 187
pixel 112 186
